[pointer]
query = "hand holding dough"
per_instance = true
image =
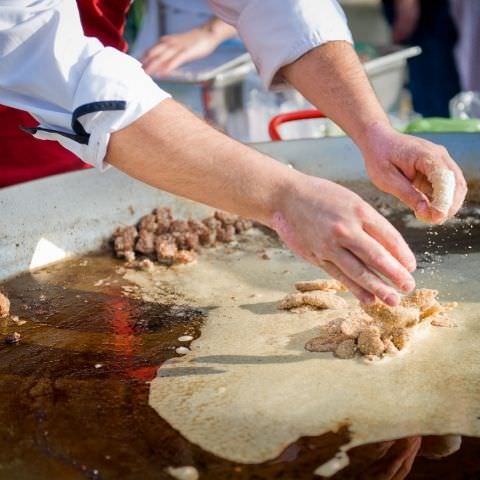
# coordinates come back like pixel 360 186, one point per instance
pixel 439 187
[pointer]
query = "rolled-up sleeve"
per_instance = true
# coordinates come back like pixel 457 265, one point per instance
pixel 79 91
pixel 278 32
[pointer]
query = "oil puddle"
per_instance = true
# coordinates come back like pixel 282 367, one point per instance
pixel 74 392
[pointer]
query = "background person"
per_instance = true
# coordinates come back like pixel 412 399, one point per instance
pixel 433 75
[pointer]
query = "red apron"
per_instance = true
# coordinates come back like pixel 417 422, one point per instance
pixel 22 157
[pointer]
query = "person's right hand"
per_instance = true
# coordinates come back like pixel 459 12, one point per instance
pixel 332 227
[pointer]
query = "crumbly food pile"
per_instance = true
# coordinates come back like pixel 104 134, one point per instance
pixel 372 330
pixel 161 237
pixel 375 330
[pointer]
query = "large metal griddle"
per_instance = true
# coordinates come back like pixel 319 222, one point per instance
pixel 71 214
pixel 75 391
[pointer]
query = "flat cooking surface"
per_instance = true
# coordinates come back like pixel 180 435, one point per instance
pixel 74 392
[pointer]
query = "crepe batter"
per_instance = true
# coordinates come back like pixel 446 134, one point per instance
pixel 233 393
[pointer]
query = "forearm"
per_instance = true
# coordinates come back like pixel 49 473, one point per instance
pixel 171 149
pixel 219 30
pixel 332 78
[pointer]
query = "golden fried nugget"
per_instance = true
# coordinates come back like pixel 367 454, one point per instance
pixel 400 337
pixel 398 316
pixel 370 341
pixel 316 299
pixel 325 285
pixel 423 298
pixel 346 349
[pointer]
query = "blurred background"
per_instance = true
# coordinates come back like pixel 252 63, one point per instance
pixel 422 58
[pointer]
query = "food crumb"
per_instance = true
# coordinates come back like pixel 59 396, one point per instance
pixel 182 350
pixel 185 338
pixel 183 473
pixel 146 265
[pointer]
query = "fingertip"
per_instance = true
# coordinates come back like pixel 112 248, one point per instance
pixel 392 300
pixel 367 298
pixel 422 210
pixel 408 286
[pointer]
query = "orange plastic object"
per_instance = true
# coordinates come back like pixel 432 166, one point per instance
pixel 277 120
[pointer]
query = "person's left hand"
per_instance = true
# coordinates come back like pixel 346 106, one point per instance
pixel 393 160
pixel 395 460
pixel 172 51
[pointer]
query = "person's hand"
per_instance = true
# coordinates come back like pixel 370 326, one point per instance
pixel 394 461
pixel 335 229
pixel 407 15
pixel 394 160
pixel 172 51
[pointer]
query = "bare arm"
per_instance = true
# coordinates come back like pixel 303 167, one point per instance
pixel 172 149
pixel 332 78
pixel 172 51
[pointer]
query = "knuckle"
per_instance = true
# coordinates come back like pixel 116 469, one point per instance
pixel 362 276
pixel 340 230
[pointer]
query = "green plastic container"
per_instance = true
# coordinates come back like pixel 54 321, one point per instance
pixel 444 125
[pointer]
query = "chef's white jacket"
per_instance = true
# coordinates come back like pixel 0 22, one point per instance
pixel 81 92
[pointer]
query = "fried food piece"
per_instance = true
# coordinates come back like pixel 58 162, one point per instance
pixel 211 223
pixel 437 321
pixel 400 338
pixel 160 234
pixel 226 218
pixel 130 256
pixel 443 184
pixel 426 300
pixel 325 285
pixel 148 223
pixel 145 242
pixel 179 226
pixel 164 219
pixel 370 341
pixel 351 327
pixel 390 317
pixel 186 240
pixel 4 305
pixel 346 349
pixel 226 234
pixel 317 299
pixel 390 346
pixel 242 225
pixel 165 248
pixel 423 298
pixel 124 240
pixel 439 187
pixel 185 256
pixel 439 309
pixel 146 265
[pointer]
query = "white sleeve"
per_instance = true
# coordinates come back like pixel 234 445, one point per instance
pixel 78 90
pixel 278 32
